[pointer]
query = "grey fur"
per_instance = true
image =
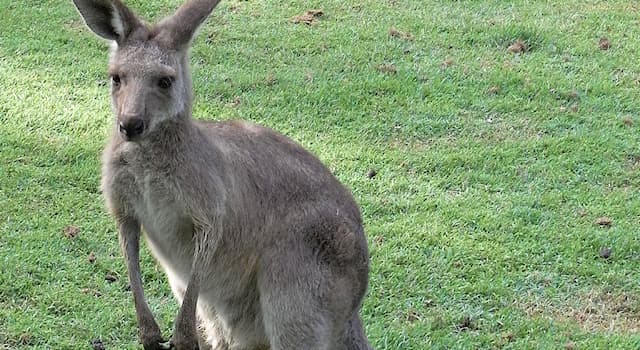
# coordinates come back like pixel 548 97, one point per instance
pixel 262 246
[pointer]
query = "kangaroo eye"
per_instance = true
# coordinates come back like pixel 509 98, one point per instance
pixel 115 80
pixel 165 83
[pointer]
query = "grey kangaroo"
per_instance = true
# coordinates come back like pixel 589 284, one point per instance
pixel 262 246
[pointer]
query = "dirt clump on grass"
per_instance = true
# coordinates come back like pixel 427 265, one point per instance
pixel 308 18
pixel 518 47
pixel 413 316
pixel 466 324
pixel 91 291
pixel 110 277
pixel 605 252
pixel 71 231
pixel 604 221
pixel 395 33
pixel 604 44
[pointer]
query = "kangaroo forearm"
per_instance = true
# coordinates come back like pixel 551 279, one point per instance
pixel 129 231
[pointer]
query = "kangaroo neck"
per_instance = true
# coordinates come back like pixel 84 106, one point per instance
pixel 170 134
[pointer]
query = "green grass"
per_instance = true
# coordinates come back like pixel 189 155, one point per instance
pixel 492 167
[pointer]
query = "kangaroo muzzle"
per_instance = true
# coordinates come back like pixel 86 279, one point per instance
pixel 130 128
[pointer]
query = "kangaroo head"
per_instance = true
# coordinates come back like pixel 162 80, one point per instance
pixel 148 66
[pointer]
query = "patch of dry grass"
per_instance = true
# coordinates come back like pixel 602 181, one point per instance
pixel 596 310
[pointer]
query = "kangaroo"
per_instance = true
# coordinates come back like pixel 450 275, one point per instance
pixel 262 246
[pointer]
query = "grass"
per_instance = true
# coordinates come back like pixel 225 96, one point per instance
pixel 492 167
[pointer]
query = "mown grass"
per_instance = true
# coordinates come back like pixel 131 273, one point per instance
pixel 491 167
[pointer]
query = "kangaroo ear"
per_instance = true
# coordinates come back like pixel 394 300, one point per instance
pixel 110 19
pixel 178 29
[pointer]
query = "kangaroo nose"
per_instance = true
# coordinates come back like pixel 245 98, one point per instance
pixel 131 127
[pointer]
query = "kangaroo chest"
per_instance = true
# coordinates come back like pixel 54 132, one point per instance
pixel 167 227
pixel 227 295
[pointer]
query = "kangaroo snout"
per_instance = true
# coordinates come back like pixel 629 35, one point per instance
pixel 131 127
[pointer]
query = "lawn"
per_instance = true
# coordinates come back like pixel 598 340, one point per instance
pixel 493 147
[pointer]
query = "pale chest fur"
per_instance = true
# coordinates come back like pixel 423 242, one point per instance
pixel 154 200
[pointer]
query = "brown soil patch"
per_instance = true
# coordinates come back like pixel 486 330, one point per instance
pixel 71 231
pixel 413 316
pixel 466 324
pixel 308 17
pixel 604 221
pixel 518 47
pixel 91 291
pixel 110 277
pixel 395 33
pixel 604 44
